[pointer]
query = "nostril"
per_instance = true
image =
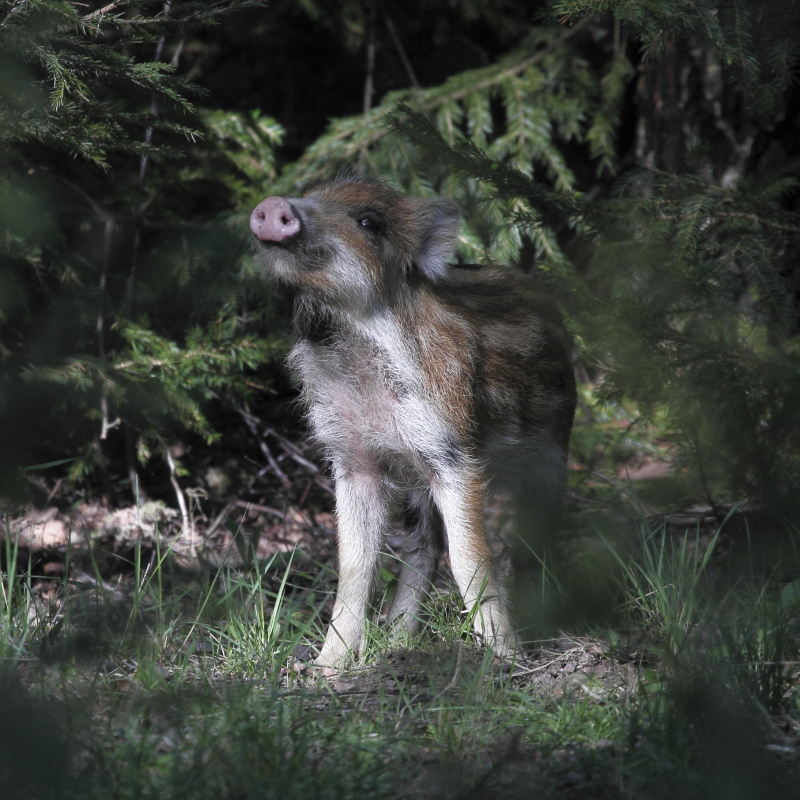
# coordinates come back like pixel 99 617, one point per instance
pixel 275 220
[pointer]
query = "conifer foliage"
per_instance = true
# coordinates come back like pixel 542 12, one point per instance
pixel 675 253
pixel 121 305
pixel 640 157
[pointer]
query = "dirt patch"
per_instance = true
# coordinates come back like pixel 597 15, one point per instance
pixel 47 535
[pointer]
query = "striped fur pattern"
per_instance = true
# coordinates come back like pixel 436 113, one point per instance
pixel 427 385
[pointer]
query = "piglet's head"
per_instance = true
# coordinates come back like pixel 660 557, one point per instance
pixel 354 241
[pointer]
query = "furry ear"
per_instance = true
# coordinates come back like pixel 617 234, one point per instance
pixel 438 221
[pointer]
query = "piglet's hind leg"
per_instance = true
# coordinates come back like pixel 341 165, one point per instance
pixel 460 502
pixel 421 549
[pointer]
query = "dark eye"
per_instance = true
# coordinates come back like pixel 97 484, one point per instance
pixel 370 222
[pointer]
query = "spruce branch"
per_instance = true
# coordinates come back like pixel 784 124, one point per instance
pixel 108 9
pixel 349 137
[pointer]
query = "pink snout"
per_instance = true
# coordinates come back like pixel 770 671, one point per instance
pixel 274 220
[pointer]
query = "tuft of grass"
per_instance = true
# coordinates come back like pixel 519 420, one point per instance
pixel 666 586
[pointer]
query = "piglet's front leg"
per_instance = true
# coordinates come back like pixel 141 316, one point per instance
pixel 362 512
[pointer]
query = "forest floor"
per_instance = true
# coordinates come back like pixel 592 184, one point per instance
pixel 166 656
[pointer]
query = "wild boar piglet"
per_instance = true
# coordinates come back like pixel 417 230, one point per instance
pixel 427 385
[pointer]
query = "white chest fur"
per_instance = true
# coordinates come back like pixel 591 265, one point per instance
pixel 367 403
